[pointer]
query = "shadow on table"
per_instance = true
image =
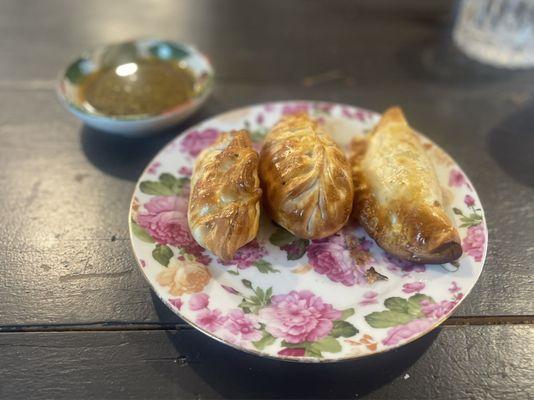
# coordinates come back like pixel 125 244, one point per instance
pixel 511 144
pixel 126 157
pixel 122 156
pixel 234 374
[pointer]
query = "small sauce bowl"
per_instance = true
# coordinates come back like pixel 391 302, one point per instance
pixel 122 56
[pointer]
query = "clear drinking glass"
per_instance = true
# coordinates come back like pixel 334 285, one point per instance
pixel 497 32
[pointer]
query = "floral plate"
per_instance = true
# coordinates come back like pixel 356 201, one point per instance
pixel 321 300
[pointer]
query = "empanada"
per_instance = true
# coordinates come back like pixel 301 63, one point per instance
pixel 306 178
pixel 224 205
pixel 398 199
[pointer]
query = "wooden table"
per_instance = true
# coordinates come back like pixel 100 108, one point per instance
pixel 77 319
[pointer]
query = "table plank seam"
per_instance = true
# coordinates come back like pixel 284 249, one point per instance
pixel 156 326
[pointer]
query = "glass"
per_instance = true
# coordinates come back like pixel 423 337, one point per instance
pixel 497 32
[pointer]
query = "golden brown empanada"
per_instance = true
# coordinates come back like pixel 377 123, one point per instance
pixel 224 205
pixel 398 199
pixel 306 178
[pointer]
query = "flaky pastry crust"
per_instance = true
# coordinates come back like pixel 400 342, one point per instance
pixel 306 178
pixel 398 199
pixel 224 204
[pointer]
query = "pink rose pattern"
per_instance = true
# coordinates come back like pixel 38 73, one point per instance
pixel 292 352
pixel 235 327
pixel 196 141
pixel 247 255
pixel 406 331
pixel 356 113
pixel 369 298
pixel 469 200
pixel 331 257
pixel 299 316
pixel 396 264
pixel 456 291
pixel 153 168
pixel 198 301
pixel 295 108
pixel 292 249
pixel 178 303
pixel 296 317
pixel 210 320
pixel 432 312
pixel 303 107
pixel 243 326
pixel 260 119
pixel 437 310
pixel 302 317
pixel 165 219
pixel 456 178
pixel 269 107
pixel 324 107
pixel 185 171
pixel 454 287
pixel 473 243
pixel 458 296
pixel 413 287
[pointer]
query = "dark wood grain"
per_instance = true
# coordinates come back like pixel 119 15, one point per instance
pixel 65 194
pixel 77 319
pixel 457 363
pixel 242 38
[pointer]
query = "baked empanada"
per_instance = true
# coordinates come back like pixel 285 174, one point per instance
pixel 224 205
pixel 398 199
pixel 306 178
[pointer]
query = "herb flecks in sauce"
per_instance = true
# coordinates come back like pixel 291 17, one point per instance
pixel 139 88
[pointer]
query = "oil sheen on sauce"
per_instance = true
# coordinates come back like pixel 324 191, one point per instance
pixel 143 87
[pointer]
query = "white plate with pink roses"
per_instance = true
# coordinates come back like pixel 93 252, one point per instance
pixel 337 298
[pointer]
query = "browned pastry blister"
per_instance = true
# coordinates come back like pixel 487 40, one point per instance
pixel 224 205
pixel 306 178
pixel 398 199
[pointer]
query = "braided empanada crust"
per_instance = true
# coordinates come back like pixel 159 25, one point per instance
pixel 224 204
pixel 306 178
